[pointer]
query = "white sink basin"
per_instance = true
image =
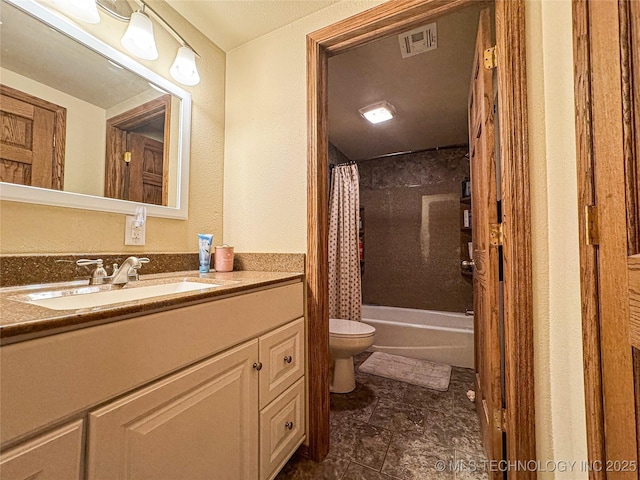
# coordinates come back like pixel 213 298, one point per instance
pixel 93 296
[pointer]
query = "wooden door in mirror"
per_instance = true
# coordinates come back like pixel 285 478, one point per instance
pixel 32 140
pixel 137 154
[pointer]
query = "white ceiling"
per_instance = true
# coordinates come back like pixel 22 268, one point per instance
pixel 429 91
pixel 231 23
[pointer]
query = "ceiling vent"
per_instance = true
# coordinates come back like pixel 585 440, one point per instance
pixel 418 40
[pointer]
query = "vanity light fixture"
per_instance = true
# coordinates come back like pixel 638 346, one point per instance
pixel 184 68
pixel 155 87
pixel 83 10
pixel 138 39
pixel 116 65
pixel 378 112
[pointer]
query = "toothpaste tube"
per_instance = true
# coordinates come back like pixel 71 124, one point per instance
pixel 204 250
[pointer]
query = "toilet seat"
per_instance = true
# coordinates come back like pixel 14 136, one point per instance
pixel 340 328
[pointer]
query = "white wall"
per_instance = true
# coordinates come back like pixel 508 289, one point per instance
pixel 265 190
pixel 85 134
pixel 560 410
pixel 265 167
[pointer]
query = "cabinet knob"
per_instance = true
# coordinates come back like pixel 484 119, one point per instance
pixel 289 425
pixel 288 359
pixel 257 366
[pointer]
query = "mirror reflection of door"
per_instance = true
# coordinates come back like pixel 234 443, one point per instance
pixel 32 140
pixel 136 165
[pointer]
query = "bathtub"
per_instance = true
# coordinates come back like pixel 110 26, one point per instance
pixel 444 337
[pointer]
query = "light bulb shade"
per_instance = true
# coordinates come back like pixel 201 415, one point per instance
pixel 378 112
pixel 83 10
pixel 184 68
pixel 138 39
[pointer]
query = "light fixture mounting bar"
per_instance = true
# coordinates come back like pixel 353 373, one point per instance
pixel 118 9
pixel 168 26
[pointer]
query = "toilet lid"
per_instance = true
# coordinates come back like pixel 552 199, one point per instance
pixel 349 328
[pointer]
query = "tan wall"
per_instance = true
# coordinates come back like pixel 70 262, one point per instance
pixel 265 172
pixel 27 228
pixel 265 192
pixel 85 134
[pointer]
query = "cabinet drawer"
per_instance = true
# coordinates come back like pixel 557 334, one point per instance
pixel 282 357
pixel 52 456
pixel 281 430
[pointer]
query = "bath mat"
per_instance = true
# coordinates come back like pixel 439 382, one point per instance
pixel 424 373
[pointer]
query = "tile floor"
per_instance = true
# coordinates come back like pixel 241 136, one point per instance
pixel 387 430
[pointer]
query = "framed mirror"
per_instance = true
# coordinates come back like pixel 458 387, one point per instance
pixel 84 125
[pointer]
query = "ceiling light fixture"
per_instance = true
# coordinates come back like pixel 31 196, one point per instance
pixel 378 112
pixel 83 10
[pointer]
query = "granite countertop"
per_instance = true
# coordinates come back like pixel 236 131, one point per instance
pixel 24 321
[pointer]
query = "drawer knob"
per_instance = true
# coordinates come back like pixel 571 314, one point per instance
pixel 257 366
pixel 288 359
pixel 289 425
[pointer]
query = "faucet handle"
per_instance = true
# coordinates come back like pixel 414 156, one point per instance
pixel 133 271
pixel 84 262
pixel 98 273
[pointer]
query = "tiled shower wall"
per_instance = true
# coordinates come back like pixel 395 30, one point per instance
pixel 412 230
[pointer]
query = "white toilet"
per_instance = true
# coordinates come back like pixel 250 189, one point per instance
pixel 346 339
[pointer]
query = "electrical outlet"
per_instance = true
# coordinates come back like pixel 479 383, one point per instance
pixel 134 235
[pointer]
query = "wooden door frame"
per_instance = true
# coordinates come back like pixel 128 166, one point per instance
pixel 148 111
pixel 588 260
pixel 392 18
pixel 59 130
pixel 592 341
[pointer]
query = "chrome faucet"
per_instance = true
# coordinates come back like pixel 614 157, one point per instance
pixel 120 275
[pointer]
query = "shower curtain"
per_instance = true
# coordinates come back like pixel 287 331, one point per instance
pixel 345 294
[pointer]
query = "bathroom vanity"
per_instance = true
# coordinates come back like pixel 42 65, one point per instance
pixel 206 384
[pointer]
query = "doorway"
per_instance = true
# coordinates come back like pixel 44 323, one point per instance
pixel 137 154
pixel 517 420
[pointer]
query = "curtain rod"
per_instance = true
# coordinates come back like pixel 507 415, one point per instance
pixel 432 149
pixel 350 162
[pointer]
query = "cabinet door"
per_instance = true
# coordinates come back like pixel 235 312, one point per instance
pixel 53 456
pixel 282 357
pixel 281 430
pixel 201 423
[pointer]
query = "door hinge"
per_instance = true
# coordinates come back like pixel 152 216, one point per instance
pixel 495 234
pixel 127 157
pixel 592 234
pixel 54 141
pixel 500 419
pixel 490 58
